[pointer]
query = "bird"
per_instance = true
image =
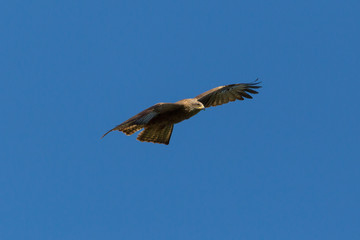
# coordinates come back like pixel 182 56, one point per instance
pixel 158 120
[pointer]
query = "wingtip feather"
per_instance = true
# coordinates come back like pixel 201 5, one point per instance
pixel 106 133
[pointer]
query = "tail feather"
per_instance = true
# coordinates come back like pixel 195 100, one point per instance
pixel 156 134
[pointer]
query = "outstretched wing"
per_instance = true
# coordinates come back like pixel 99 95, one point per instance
pixel 229 93
pixel 140 120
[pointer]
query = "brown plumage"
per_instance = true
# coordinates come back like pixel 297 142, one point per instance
pixel 158 120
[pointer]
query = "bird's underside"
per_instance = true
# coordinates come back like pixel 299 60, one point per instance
pixel 158 120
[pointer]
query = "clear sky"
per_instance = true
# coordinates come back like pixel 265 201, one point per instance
pixel 284 165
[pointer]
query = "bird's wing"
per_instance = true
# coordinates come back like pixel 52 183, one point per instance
pixel 229 93
pixel 138 121
pixel 156 134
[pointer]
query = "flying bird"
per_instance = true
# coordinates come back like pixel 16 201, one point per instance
pixel 158 120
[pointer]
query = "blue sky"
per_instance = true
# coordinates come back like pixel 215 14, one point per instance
pixel 284 165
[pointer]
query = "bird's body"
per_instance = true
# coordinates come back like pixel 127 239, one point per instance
pixel 180 112
pixel 158 120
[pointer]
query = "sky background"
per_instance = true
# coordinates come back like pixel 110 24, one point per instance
pixel 284 165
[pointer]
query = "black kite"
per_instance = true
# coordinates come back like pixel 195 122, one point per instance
pixel 158 120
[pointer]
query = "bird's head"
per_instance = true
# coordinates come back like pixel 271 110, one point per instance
pixel 196 105
pixel 192 105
